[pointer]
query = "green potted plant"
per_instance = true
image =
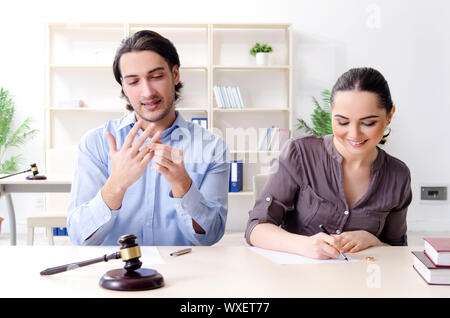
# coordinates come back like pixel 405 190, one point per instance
pixel 261 52
pixel 320 118
pixel 10 137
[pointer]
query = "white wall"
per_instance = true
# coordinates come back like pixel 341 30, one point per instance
pixel 408 41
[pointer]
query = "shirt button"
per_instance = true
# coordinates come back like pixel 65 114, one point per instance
pixel 268 199
pixel 147 224
pixel 338 232
pixel 346 212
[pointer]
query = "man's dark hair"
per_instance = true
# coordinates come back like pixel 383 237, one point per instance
pixel 147 40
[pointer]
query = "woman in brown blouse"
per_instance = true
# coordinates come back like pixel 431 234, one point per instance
pixel 344 181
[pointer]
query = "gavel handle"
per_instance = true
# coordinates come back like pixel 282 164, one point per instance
pixel 68 267
pixel 10 175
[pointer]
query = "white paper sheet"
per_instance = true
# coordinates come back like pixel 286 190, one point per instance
pixel 288 258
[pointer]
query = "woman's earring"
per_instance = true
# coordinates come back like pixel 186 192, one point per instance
pixel 383 140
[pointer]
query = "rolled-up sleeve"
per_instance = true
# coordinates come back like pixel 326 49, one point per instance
pixel 279 193
pixel 395 228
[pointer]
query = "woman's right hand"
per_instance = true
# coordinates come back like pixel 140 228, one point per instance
pixel 321 246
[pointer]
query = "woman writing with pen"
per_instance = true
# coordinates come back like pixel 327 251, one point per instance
pixel 343 181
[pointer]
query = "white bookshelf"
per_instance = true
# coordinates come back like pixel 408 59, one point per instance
pixel 79 67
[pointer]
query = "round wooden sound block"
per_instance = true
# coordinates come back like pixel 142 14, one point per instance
pixel 140 279
pixel 36 177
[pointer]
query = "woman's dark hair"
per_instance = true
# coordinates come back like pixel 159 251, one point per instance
pixel 147 40
pixel 365 79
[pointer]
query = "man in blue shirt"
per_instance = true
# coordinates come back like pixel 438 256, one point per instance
pixel 150 173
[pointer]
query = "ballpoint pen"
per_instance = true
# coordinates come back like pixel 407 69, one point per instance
pixel 181 252
pixel 326 232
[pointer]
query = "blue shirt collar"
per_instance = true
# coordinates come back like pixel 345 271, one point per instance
pixel 130 119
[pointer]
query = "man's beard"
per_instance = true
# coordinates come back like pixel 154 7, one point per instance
pixel 160 117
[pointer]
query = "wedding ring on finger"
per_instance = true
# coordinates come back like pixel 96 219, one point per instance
pixel 145 149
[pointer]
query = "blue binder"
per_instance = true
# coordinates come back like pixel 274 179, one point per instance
pixel 60 231
pixel 235 176
pixel 201 121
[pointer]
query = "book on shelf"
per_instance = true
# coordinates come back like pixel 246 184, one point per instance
pixel 264 137
pixel 201 121
pixel 218 96
pixel 235 184
pixel 273 138
pixel 438 250
pixel 238 93
pixel 429 272
pixel 223 93
pixel 228 96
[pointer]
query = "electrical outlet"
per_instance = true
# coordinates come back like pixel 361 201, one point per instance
pixel 433 193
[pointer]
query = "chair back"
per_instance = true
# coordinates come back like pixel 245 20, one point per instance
pixel 259 181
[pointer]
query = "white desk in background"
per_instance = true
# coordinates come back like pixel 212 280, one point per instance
pixel 19 184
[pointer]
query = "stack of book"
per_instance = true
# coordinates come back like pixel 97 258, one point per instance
pixel 273 138
pixel 228 97
pixel 433 264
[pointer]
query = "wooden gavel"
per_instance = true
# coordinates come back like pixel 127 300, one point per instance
pixel 130 278
pixel 129 253
pixel 33 169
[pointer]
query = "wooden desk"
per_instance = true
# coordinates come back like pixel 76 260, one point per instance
pixel 219 272
pixel 19 184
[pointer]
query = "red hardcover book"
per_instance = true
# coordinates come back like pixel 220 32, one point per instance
pixel 438 250
pixel 430 273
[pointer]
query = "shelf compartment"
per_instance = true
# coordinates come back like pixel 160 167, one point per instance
pixel 254 152
pixel 66 128
pixel 244 132
pixel 260 88
pixel 95 88
pixel 250 109
pixel 195 87
pixel 241 193
pixel 231 44
pixel 191 41
pixel 250 67
pixel 87 109
pixel 84 43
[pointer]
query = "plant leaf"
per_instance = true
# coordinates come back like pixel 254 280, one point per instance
pixel 320 117
pixel 9 138
pixel 10 165
pixel 21 135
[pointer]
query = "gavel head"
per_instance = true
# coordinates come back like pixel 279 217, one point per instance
pixel 34 169
pixel 130 252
